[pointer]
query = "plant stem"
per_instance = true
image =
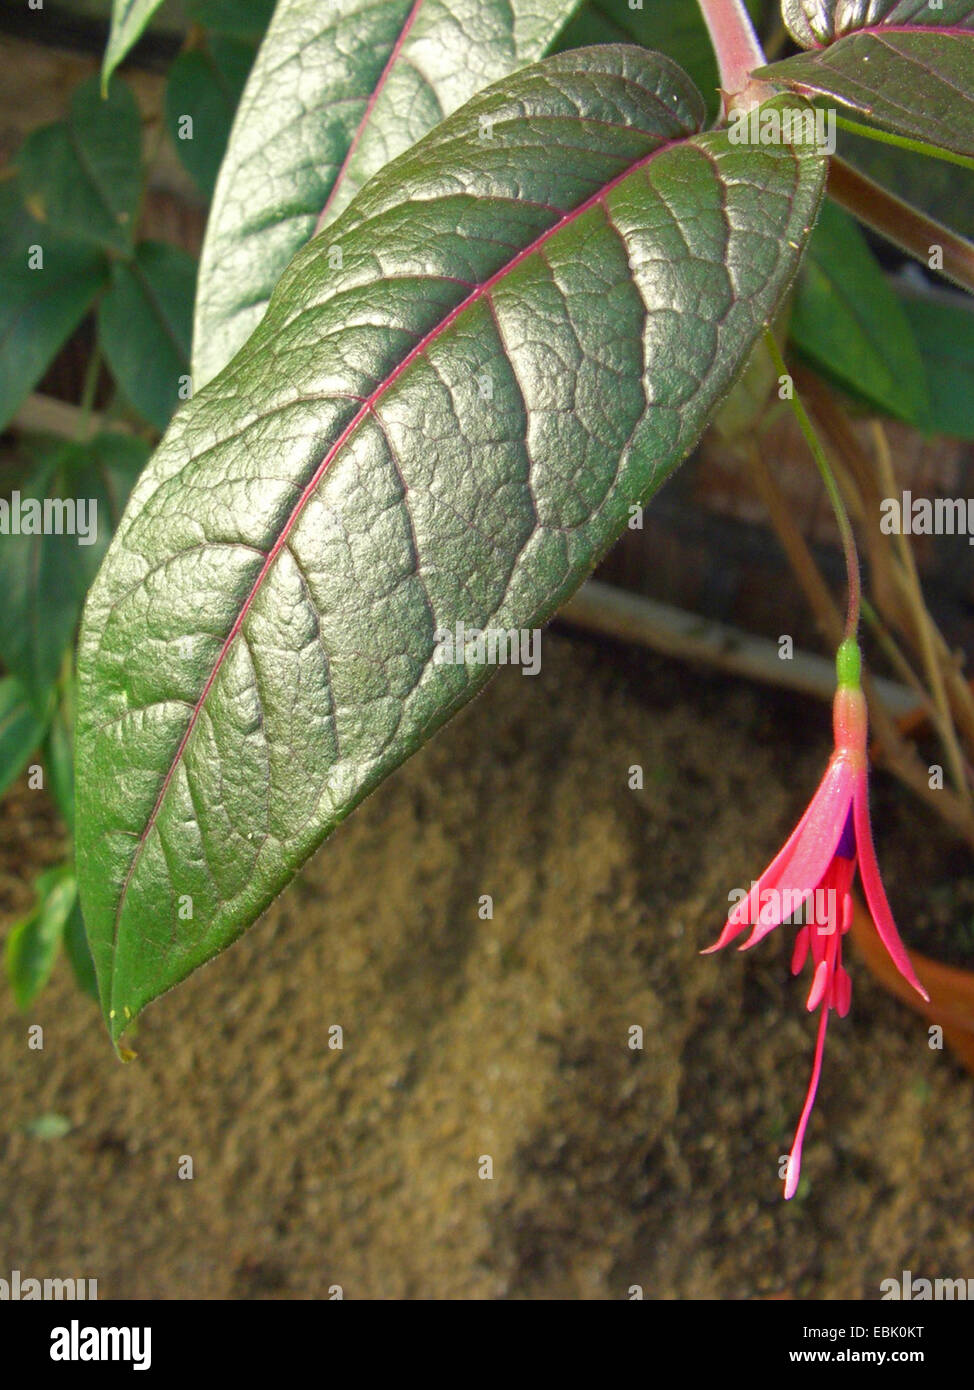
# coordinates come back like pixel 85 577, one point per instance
pixel 905 226
pixel 903 142
pixel 898 755
pixel 735 43
pixel 88 390
pixel 889 580
pixel 795 546
pixel 831 487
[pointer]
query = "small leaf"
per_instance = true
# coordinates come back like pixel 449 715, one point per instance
pixel 105 467
pixel 817 23
pixel 202 93
pixel 336 92
pixel 849 323
pixel 525 337
pixel 70 498
pixel 82 176
pixel 903 63
pixel 34 942
pixel 78 952
pixel 129 20
pixel 59 760
pixel 47 285
pixel 945 337
pixel 42 576
pixel 144 327
pixel 239 19
pixel 21 730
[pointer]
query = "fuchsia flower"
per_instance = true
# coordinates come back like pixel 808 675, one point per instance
pixel 811 878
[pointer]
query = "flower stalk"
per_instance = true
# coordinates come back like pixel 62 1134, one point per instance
pixel 832 488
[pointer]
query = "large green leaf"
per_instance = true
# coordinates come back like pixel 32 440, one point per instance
pixel 525 335
pixel 144 327
pixel 848 322
pixel 904 63
pixel 61 516
pixel 676 30
pixel 673 27
pixel 47 285
pixel 338 90
pixel 83 175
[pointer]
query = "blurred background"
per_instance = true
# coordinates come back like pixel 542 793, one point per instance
pixel 613 1166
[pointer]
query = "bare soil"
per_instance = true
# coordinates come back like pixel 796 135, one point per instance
pixel 506 1038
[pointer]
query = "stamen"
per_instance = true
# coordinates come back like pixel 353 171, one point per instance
pixel 800 954
pixel 846 913
pixel 820 981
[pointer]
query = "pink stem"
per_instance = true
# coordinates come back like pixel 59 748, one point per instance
pixel 736 45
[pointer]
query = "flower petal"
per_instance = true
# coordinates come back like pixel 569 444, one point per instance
pixel 827 916
pixel 875 892
pixel 832 792
pixel 795 879
pixel 800 953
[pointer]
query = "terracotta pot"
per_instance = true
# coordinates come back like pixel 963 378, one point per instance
pixel 951 990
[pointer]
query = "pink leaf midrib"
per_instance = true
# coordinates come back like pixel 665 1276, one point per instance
pixel 367 113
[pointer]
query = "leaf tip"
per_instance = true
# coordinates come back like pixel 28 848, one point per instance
pixel 119 1022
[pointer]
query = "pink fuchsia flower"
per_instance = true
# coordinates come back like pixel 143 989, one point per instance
pixel 811 877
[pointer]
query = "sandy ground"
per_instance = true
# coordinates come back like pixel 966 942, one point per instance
pixel 506 1037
